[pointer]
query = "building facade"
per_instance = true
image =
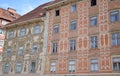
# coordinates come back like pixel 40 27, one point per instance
pixel 6 16
pixel 24 45
pixel 83 38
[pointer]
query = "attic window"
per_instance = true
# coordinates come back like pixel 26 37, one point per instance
pixel 93 2
pixel 57 13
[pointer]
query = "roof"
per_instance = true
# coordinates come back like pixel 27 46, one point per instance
pixel 36 13
pixel 7 15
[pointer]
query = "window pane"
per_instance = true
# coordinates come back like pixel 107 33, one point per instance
pixel 56 29
pixel 20 50
pixel 34 48
pixel 93 21
pixel 73 25
pixel 18 67
pixel 6 68
pixel 22 32
pixel 37 29
pixel 114 16
pixel 73 8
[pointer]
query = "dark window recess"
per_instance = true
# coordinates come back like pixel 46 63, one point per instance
pixel 93 2
pixel 57 13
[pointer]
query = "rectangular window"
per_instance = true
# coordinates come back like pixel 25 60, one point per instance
pixel 36 29
pixel 114 16
pixel 116 39
pixel 18 67
pixel 93 21
pixel 20 50
pixel 2 31
pixel 71 66
pixel 6 68
pixel 34 48
pixel 55 47
pixel 73 8
pixel 56 29
pixel 93 2
pixel 33 67
pixel 72 45
pixel 11 34
pixel 53 67
pixel 1 43
pixel 94 42
pixel 116 64
pixel 94 65
pixel 57 12
pixel 8 52
pixel 73 25
pixel 22 32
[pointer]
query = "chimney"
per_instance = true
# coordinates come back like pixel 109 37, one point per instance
pixel 11 10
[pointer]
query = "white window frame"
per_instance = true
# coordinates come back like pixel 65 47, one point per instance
pixel 72 67
pixel 53 66
pixel 94 67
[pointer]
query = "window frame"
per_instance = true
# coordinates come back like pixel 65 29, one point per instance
pixel 20 67
pixel 20 50
pixel 94 64
pixel 93 21
pixel 34 50
pixel 8 53
pixel 72 66
pixel 31 67
pixel 92 5
pixel 73 8
pixel 22 32
pixel 73 25
pixel 56 29
pixel 8 68
pixel 115 39
pixel 11 34
pixel 53 68
pixel 114 14
pixel 94 42
pixel 55 47
pixel 72 44
pixel 36 29
pixel 117 62
pixel 57 12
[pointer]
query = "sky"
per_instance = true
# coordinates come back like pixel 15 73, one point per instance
pixel 22 6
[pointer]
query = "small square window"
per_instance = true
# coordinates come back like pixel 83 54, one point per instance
pixel 73 8
pixel 57 12
pixel 93 21
pixel 93 2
